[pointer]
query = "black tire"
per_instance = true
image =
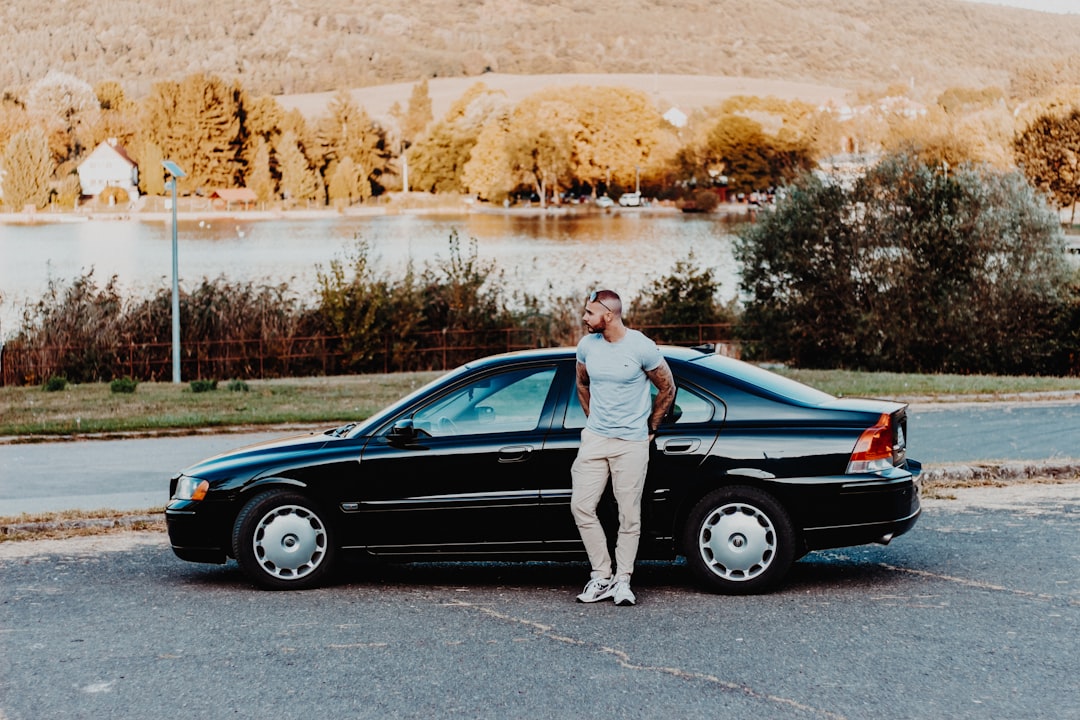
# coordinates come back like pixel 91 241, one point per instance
pixel 282 541
pixel 739 541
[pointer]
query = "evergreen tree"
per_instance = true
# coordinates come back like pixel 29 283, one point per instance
pixel 299 181
pixel 260 179
pixel 348 131
pixel 437 159
pixel 151 172
pixel 418 115
pixel 196 123
pixel 28 167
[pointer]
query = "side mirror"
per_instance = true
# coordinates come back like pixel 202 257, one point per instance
pixel 402 432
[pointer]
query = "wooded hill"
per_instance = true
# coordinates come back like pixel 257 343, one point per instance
pixel 302 46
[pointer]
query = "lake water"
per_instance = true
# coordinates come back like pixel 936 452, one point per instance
pixel 545 254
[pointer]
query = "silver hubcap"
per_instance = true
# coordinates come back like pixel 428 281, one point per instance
pixel 737 542
pixel 289 542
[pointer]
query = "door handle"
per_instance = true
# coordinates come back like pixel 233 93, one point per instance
pixel 515 453
pixel 680 446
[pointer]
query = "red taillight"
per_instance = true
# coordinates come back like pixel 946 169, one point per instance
pixel 874 450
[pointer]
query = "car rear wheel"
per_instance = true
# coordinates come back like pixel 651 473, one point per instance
pixel 739 541
pixel 282 541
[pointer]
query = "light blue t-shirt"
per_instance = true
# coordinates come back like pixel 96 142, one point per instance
pixel 619 396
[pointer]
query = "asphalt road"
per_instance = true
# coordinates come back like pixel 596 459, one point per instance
pixel 133 474
pixel 973 614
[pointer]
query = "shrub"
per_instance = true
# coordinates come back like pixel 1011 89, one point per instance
pixel 198 386
pixel 55 383
pixel 689 295
pixel 123 385
pixel 238 386
pixel 910 270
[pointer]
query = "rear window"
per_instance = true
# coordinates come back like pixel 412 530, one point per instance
pixel 755 376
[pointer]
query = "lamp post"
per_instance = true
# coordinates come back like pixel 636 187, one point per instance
pixel 176 173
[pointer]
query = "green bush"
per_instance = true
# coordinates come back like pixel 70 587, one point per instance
pixel 238 386
pixel 198 386
pixel 912 270
pixel 55 383
pixel 123 385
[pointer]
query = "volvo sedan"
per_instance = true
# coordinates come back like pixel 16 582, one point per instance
pixel 748 473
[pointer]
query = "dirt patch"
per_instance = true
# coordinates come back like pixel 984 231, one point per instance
pixel 686 92
pixel 1015 496
pixel 119 541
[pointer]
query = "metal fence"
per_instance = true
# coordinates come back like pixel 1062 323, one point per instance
pixel 300 356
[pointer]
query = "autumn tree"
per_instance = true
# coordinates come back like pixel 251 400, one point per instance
pixel 63 100
pixel 618 132
pixel 348 131
pixel 487 172
pixel 260 177
pixel 1048 152
pixel 750 158
pixel 151 172
pixel 349 183
pixel 196 123
pixel 437 158
pixel 28 167
pixel 418 115
pixel 263 121
pixel 118 117
pixel 299 180
pixel 540 143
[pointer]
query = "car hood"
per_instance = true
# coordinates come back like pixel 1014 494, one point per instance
pixel 252 458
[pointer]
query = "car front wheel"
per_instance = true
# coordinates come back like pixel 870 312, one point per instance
pixel 739 541
pixel 282 541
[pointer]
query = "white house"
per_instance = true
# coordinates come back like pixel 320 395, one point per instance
pixel 109 166
pixel 676 117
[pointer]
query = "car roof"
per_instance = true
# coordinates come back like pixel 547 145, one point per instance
pixel 671 352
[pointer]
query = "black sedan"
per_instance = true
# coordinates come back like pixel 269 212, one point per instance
pixel 749 472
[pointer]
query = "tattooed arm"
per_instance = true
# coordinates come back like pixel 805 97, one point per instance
pixel 665 395
pixel 584 396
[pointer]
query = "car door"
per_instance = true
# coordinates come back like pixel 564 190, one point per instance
pixel 463 478
pixel 681 444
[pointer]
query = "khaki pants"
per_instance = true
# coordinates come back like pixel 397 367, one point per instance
pixel 626 462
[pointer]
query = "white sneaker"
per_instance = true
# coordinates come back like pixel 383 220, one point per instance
pixel 621 591
pixel 595 590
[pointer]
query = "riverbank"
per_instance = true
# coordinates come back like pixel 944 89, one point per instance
pixel 155 209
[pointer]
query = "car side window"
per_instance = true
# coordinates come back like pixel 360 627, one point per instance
pixel 506 402
pixel 689 408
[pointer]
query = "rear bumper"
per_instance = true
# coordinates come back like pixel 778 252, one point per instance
pixel 820 538
pixel 859 509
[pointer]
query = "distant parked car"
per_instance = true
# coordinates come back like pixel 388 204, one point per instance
pixel 749 472
pixel 604 202
pixel 630 199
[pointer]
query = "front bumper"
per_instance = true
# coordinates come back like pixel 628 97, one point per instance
pixel 198 531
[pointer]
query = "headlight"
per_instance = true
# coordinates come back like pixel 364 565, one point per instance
pixel 189 488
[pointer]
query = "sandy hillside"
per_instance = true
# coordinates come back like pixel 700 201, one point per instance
pixel 687 92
